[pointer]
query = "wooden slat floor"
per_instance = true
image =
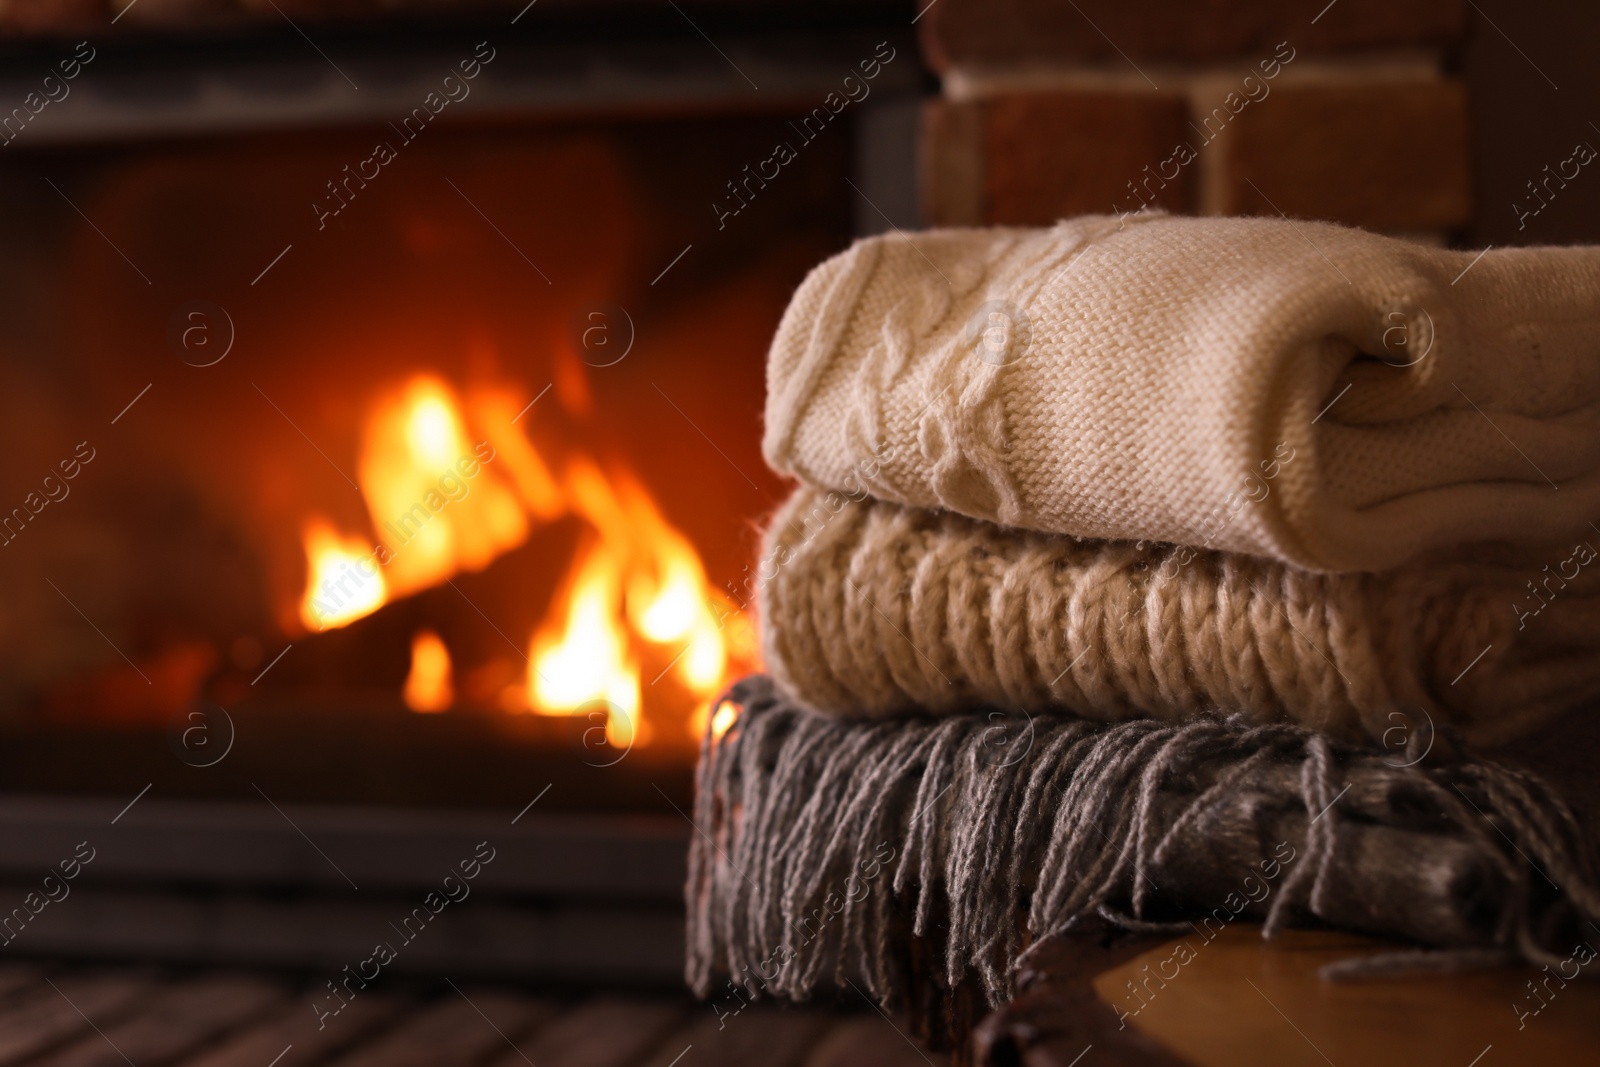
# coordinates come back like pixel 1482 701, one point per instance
pixel 76 1016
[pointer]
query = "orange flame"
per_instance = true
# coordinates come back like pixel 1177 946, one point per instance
pixel 636 601
pixel 432 500
pixel 428 686
pixel 343 583
pixel 497 412
pixel 667 600
pixel 584 658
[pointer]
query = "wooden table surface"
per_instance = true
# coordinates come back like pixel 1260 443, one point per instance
pixel 1239 1001
pixel 73 1016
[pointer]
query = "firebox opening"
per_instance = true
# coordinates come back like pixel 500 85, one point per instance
pixel 473 458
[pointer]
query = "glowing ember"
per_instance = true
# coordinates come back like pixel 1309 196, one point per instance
pixel 344 583
pixel 720 721
pixel 727 714
pixel 428 686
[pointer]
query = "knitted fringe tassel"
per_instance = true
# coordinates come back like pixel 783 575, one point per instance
pixel 979 835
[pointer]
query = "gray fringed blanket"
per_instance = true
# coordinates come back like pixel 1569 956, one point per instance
pixel 827 844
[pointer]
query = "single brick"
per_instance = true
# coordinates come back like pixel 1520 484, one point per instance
pixel 1384 156
pixel 1033 158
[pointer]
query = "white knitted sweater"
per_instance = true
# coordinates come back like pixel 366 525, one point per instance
pixel 1327 397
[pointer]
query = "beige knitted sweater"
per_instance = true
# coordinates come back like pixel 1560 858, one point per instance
pixel 871 608
pixel 1314 394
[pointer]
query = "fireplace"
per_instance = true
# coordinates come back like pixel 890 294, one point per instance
pixel 403 466
pixel 384 463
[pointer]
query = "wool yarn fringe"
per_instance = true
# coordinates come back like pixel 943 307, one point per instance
pixel 983 834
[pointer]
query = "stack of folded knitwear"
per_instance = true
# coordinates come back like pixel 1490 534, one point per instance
pixel 1155 570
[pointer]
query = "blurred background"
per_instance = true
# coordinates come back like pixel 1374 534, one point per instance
pixel 380 391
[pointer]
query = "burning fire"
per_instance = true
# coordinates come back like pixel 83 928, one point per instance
pixel 426 491
pixel 339 589
pixel 635 610
pixel 428 685
pixel 643 578
pixel 584 660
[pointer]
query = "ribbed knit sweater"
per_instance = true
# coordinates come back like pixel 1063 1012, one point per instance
pixel 871 609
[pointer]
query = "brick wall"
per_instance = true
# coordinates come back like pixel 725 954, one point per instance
pixel 1208 106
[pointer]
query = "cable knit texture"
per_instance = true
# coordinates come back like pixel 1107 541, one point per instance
pixel 1132 379
pixel 871 608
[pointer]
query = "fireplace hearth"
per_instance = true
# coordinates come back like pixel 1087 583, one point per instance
pixel 383 464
